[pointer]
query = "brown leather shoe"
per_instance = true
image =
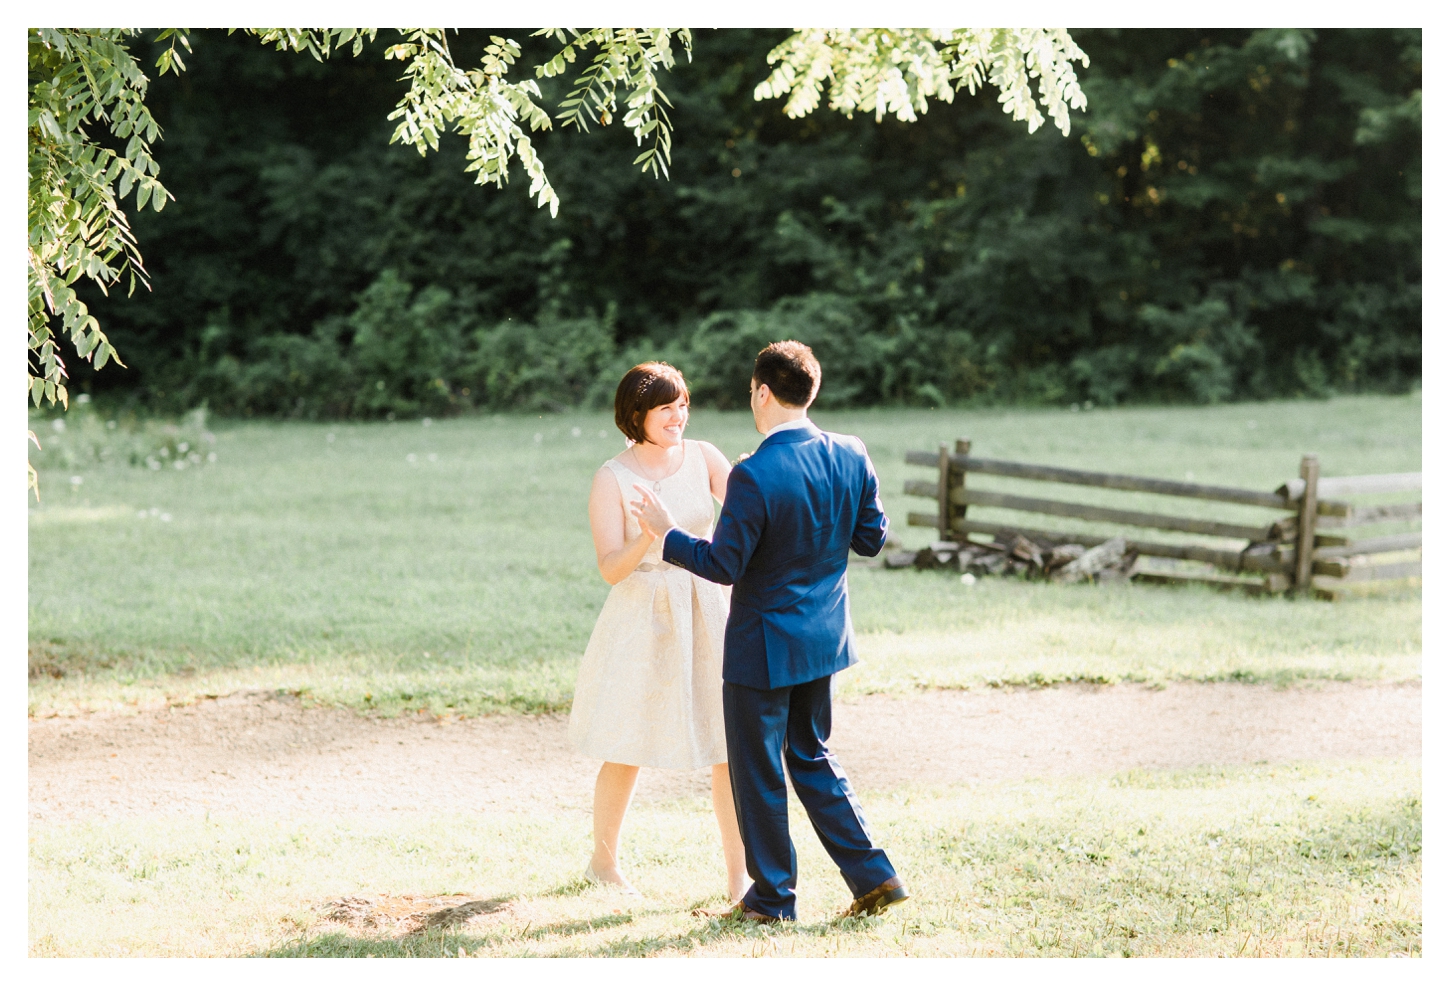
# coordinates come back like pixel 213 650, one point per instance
pixel 889 894
pixel 737 913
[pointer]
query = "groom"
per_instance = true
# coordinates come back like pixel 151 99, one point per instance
pixel 792 512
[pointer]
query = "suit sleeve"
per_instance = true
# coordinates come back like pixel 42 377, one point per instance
pixel 871 522
pixel 723 558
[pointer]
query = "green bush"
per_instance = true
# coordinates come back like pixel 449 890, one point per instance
pixel 721 351
pixel 406 352
pixel 549 365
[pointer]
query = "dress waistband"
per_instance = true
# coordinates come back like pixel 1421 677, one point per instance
pixel 655 566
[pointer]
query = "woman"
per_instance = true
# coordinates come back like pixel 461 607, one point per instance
pixel 649 691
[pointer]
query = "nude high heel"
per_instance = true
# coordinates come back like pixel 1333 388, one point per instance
pixel 626 887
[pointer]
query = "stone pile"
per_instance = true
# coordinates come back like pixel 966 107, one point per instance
pixel 1017 554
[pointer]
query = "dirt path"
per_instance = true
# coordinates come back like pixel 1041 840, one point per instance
pixel 257 753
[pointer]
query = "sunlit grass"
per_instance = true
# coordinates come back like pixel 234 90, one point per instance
pixel 464 578
pixel 1270 860
pixel 925 629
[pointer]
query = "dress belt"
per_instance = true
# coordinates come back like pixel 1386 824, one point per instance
pixel 655 566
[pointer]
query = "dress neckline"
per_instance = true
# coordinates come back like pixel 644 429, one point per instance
pixel 656 482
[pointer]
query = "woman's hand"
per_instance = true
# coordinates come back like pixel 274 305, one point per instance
pixel 654 517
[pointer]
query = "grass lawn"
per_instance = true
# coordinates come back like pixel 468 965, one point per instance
pixel 448 565
pixel 1260 861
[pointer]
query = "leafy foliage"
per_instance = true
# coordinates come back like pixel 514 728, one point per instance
pixel 480 104
pixel 954 259
pixel 77 226
pixel 628 56
pixel 894 71
pixel 80 80
pixel 83 78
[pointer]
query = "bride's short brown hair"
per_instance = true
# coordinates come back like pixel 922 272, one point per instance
pixel 643 388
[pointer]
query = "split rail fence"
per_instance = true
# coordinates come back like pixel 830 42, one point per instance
pixel 1316 544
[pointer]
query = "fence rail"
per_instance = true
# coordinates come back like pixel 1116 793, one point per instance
pixel 1285 552
pixel 1391 482
pixel 1106 480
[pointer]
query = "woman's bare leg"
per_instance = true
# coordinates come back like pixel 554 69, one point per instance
pixel 736 878
pixel 613 790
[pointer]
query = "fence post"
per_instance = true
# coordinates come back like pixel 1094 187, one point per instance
pixel 1308 511
pixel 964 449
pixel 943 493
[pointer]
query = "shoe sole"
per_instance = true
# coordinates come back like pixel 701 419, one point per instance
pixel 890 898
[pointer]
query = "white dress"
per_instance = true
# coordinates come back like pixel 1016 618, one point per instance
pixel 649 685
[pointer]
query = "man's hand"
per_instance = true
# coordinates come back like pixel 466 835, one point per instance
pixel 653 516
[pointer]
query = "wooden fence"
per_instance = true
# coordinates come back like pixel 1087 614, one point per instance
pixel 1310 544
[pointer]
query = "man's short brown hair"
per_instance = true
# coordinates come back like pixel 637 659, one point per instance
pixel 791 372
pixel 645 387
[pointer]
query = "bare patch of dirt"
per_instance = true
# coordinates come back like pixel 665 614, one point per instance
pixel 400 915
pixel 257 752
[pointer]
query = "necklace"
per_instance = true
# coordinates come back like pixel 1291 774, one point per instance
pixel 633 454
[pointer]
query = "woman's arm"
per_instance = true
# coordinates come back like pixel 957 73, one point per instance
pixel 617 558
pixel 719 470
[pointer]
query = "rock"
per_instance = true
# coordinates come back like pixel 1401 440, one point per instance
pixel 994 564
pixel 1062 554
pixel 938 554
pixel 899 559
pixel 1025 549
pixel 1093 561
pixel 1278 582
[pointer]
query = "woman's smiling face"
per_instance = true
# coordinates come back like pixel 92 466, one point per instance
pixel 665 425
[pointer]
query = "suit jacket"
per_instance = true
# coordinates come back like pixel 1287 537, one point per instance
pixel 793 511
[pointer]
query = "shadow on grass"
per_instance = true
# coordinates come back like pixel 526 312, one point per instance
pixel 764 939
pixel 555 939
pixel 445 942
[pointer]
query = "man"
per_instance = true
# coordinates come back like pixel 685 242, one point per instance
pixel 792 512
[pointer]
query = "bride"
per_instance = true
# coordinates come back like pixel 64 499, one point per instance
pixel 649 686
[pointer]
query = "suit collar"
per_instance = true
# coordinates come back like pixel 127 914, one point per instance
pixel 792 435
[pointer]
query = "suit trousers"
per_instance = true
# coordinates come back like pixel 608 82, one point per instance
pixel 762 727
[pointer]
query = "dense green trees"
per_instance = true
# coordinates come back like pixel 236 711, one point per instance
pixel 1236 214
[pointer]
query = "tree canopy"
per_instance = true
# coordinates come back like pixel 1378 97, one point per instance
pixel 85 81
pixel 1236 214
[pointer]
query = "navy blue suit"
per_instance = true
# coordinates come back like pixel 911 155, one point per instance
pixel 792 513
